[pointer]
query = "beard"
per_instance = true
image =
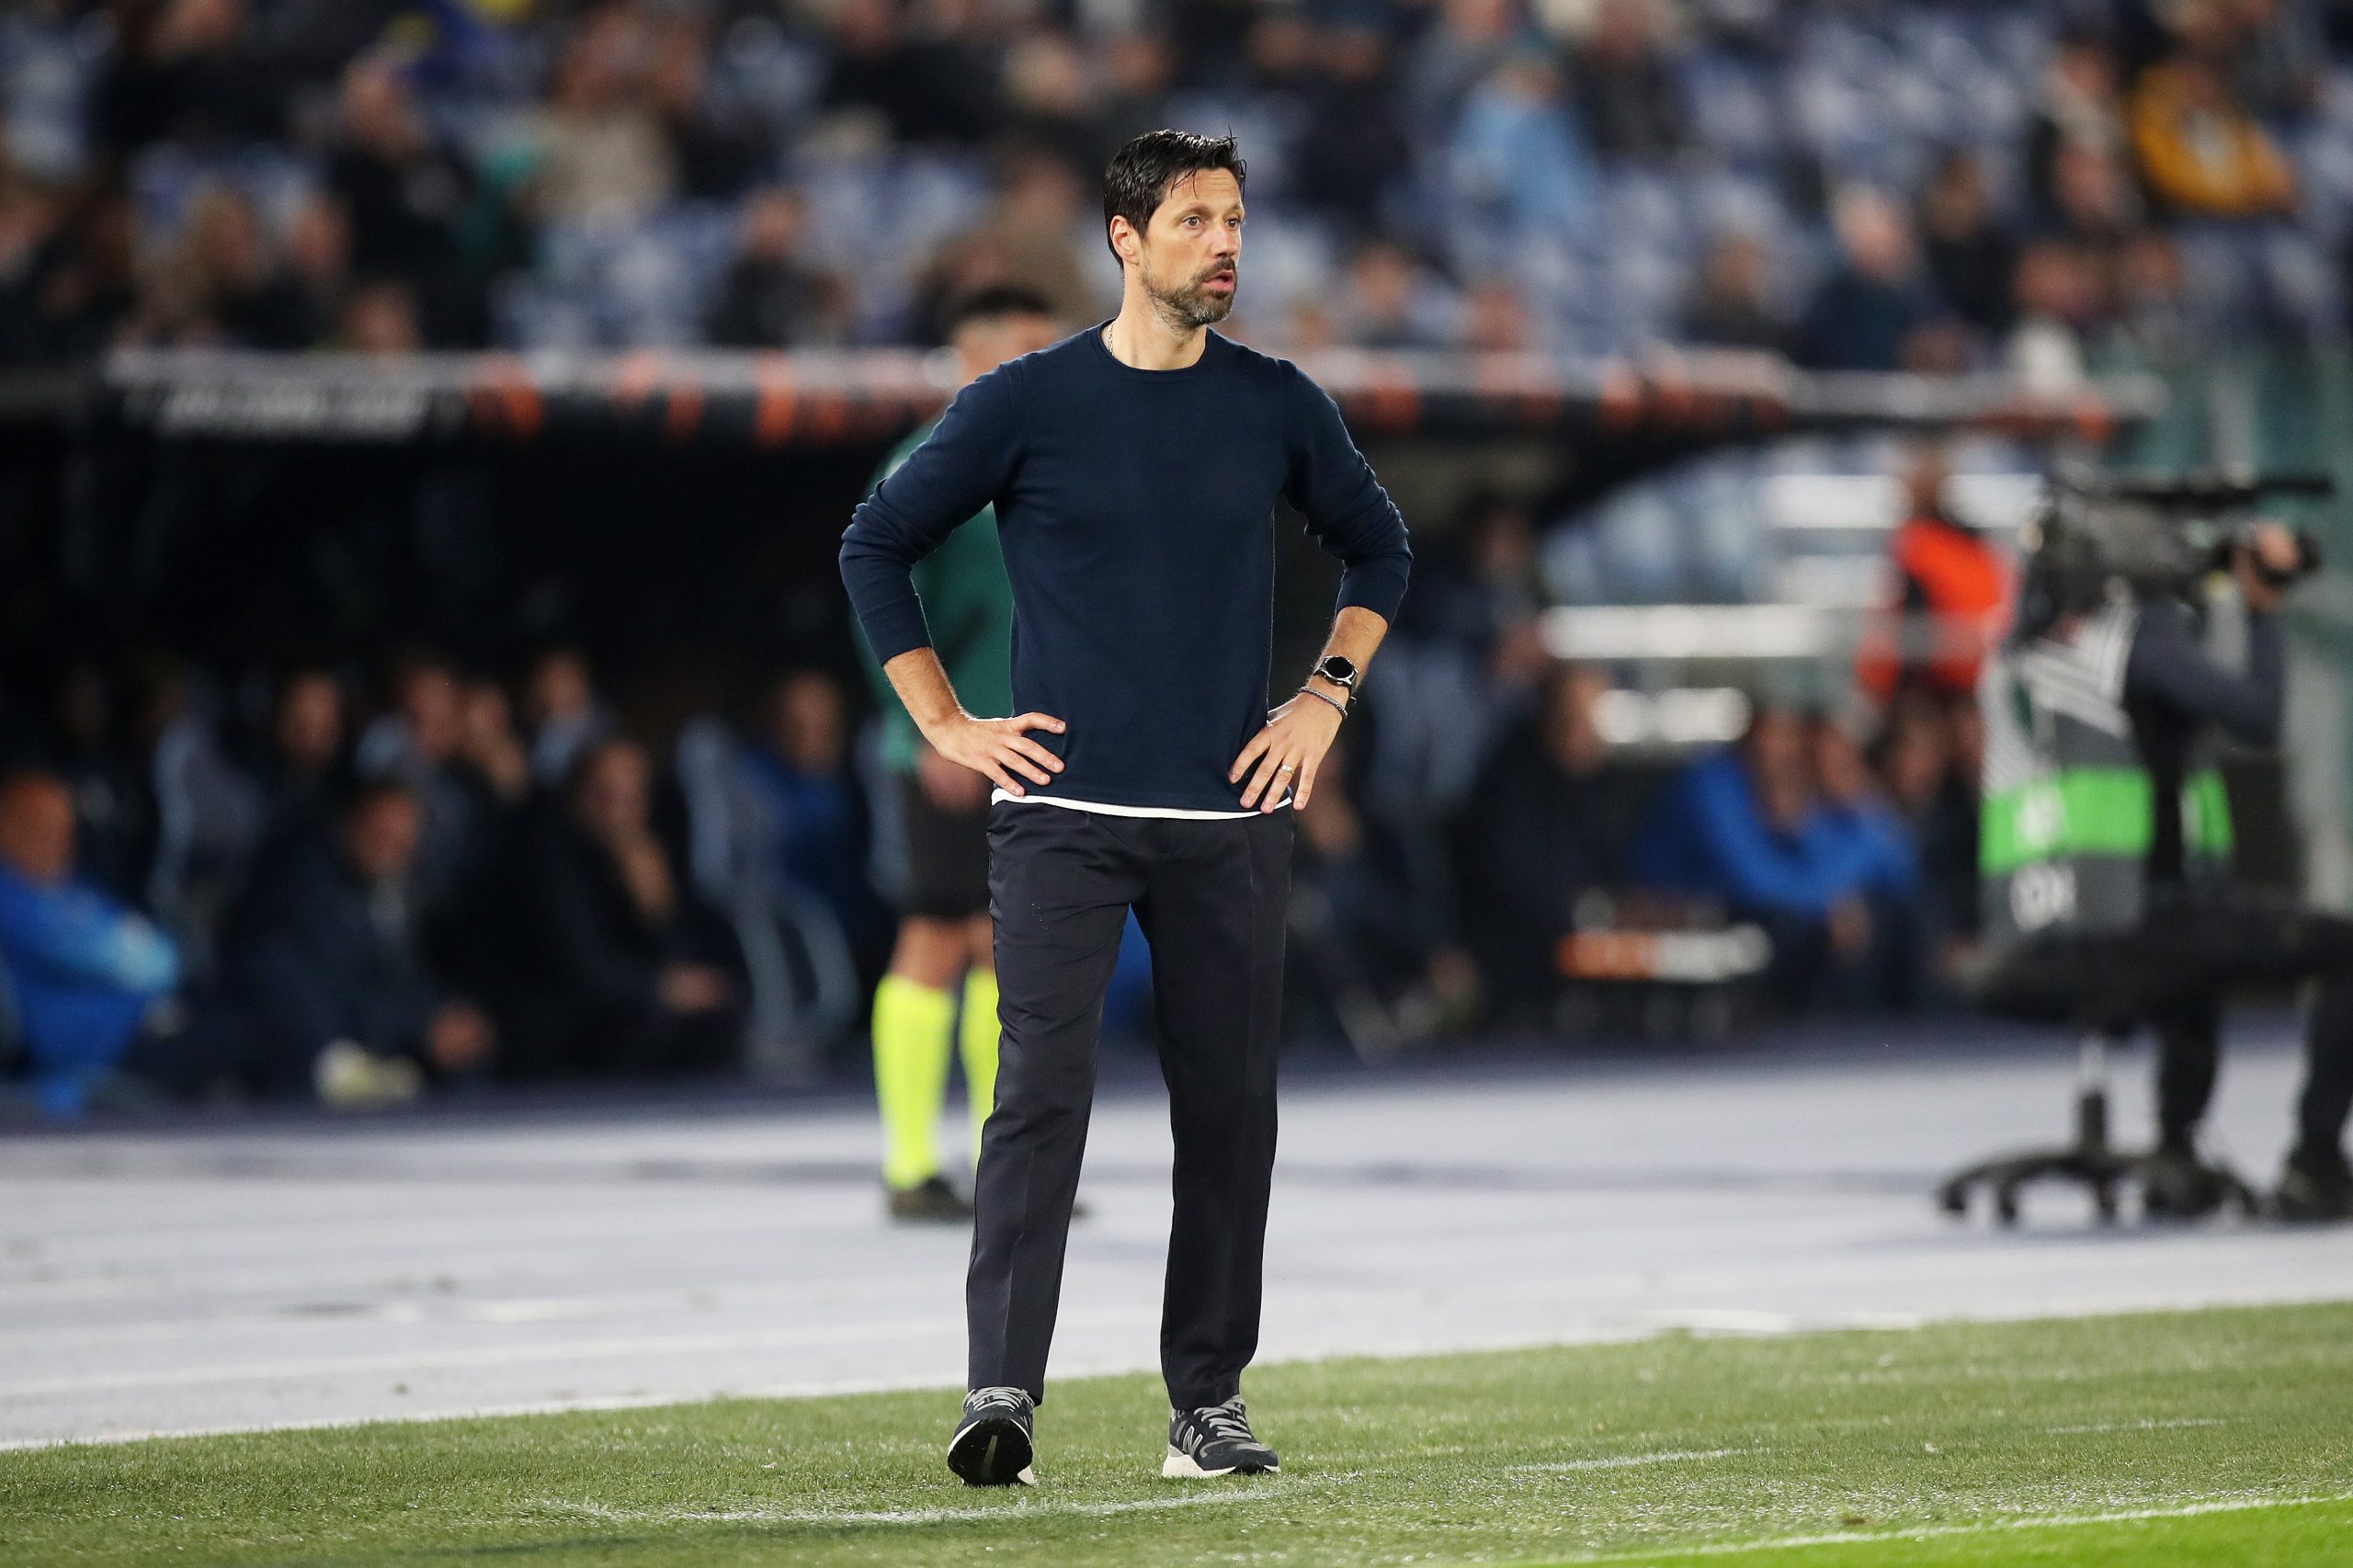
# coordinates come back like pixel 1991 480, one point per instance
pixel 1194 303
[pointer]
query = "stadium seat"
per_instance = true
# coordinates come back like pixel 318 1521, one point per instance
pixel 209 820
pixel 804 984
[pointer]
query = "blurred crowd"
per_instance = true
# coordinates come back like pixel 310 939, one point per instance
pixel 357 878
pixel 2036 184
pixel 311 883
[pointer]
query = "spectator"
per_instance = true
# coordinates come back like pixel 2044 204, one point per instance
pixel 2058 303
pixel 1969 258
pixel 325 964
pixel 422 742
pixel 1542 842
pixel 603 159
pixel 80 287
pixel 1374 954
pixel 82 739
pixel 2152 308
pixel 1461 48
pixel 1483 596
pixel 1388 304
pixel 1746 832
pixel 1864 843
pixel 2094 202
pixel 1040 234
pixel 1355 143
pixel 565 715
pixel 919 91
pixel 317 250
pixel 1050 100
pixel 1138 68
pixel 1952 593
pixel 801 764
pixel 2278 64
pixel 237 293
pixel 1519 153
pixel 404 198
pixel 83 969
pixel 1872 312
pixel 717 151
pixel 380 318
pixel 1632 106
pixel 1920 768
pixel 293 770
pixel 615 967
pixel 2079 109
pixel 1495 320
pixel 2201 153
pixel 494 750
pixel 1732 307
pixel 185 70
pixel 772 298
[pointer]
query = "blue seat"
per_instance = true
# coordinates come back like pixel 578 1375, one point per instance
pixel 803 980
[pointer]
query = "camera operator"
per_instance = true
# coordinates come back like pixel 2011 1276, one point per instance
pixel 2106 859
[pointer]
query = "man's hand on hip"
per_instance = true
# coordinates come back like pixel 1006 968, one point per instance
pixel 1287 751
pixel 999 748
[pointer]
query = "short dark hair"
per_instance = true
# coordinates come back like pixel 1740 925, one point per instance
pixel 1142 173
pixel 994 303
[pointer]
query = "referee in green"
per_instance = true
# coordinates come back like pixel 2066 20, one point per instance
pixel 944 946
pixel 1135 468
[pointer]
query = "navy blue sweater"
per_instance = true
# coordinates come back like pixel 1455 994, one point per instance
pixel 1137 513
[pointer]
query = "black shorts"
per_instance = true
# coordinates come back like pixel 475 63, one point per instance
pixel 947 858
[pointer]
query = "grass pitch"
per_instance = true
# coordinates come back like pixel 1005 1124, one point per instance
pixel 2221 1436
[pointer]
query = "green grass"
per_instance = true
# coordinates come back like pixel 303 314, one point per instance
pixel 2221 1436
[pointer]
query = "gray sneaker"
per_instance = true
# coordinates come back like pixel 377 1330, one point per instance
pixel 992 1445
pixel 1215 1440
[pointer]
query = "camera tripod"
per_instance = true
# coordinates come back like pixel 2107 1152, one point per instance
pixel 2091 1161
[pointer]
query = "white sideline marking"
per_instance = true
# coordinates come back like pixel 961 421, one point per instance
pixel 2145 1425
pixel 1988 1526
pixel 1628 1461
pixel 460 1356
pixel 1027 1508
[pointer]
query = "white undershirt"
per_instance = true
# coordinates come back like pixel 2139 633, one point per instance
pixel 1105 809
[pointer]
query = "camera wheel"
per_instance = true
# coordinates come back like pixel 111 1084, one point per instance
pixel 1953 1198
pixel 2103 1202
pixel 2006 1205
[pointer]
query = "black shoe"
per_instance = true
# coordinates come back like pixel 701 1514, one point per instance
pixel 1215 1440
pixel 2315 1188
pixel 992 1448
pixel 929 1202
pixel 2176 1185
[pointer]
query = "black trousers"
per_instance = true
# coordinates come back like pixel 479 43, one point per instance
pixel 1210 895
pixel 2174 971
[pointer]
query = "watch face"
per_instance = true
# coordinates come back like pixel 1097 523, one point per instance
pixel 1340 671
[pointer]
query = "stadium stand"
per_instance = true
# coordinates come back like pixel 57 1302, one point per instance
pixel 1661 233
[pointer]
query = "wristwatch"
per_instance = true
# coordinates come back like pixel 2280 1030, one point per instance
pixel 1341 672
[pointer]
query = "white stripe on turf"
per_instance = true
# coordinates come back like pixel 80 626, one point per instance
pixel 1026 1507
pixel 2145 1425
pixel 1985 1527
pixel 1629 1461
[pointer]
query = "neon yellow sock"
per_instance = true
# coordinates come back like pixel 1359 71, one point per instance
pixel 913 1026
pixel 977 1034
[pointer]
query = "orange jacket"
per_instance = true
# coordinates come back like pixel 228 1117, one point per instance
pixel 1961 585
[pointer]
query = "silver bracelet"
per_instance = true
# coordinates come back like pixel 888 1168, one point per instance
pixel 1335 701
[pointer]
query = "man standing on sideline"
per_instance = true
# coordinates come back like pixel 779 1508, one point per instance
pixel 1134 469
pixel 943 896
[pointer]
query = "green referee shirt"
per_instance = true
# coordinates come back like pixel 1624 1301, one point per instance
pixel 969 606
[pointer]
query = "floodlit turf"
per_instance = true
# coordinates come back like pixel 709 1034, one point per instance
pixel 2221 1437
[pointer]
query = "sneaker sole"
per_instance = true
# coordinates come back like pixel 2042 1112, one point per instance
pixel 992 1451
pixel 1182 1466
